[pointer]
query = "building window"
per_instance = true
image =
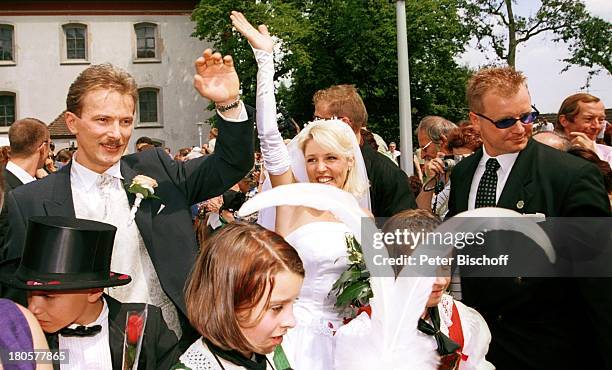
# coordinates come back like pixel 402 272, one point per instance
pixel 6 42
pixel 148 99
pixel 146 40
pixel 7 108
pixel 76 41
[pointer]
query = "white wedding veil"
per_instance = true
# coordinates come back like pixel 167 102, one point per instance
pixel 267 217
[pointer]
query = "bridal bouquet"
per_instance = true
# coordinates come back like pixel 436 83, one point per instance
pixel 352 289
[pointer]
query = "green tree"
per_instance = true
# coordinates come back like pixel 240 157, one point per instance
pixel 590 43
pixel 496 25
pixel 339 41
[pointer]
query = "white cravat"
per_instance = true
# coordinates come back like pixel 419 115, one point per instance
pixel 101 197
pixel 91 353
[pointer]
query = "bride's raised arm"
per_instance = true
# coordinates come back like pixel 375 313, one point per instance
pixel 273 149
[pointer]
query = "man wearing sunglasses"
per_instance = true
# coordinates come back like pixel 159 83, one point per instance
pixel 535 323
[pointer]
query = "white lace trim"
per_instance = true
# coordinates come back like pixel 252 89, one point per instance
pixel 445 307
pixel 319 326
pixel 199 357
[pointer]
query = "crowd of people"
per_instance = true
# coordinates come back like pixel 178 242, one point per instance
pixel 227 256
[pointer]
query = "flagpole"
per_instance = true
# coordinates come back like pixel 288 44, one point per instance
pixel 404 90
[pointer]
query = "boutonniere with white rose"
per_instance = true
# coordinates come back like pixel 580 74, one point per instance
pixel 143 187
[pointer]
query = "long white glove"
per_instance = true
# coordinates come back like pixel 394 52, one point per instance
pixel 273 150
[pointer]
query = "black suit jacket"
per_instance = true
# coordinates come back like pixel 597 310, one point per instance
pixel 542 323
pixel 167 233
pixel 389 188
pixel 159 348
pixel 10 182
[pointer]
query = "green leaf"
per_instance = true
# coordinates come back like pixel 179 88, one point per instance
pixel 351 293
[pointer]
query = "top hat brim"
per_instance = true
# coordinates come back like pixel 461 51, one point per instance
pixel 59 282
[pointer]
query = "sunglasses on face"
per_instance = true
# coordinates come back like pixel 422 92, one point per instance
pixel 503 123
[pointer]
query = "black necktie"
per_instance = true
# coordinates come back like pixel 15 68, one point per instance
pixel 445 344
pixel 487 187
pixel 81 331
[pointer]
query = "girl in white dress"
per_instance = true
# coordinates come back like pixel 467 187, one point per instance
pixel 240 299
pixel 325 152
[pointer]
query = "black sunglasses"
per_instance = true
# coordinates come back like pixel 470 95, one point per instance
pixel 525 119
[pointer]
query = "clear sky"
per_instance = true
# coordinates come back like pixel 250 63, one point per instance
pixel 540 59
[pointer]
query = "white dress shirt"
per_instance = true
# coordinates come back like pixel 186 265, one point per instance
pixel 604 152
pixel 506 162
pixel 19 172
pixel 110 204
pixel 91 353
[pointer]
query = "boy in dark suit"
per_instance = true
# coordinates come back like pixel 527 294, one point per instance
pixel 64 269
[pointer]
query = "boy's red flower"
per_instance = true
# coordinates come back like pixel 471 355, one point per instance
pixel 134 328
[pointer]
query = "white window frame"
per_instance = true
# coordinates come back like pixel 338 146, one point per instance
pixel 159 122
pixel 157 57
pixel 3 128
pixel 64 52
pixel 13 60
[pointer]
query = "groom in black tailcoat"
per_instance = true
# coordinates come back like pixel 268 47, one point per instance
pixel 536 323
pixel 100 112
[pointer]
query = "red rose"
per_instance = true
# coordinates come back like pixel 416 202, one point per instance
pixel 134 328
pixel 367 309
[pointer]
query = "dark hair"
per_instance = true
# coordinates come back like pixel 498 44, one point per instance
pixel 464 136
pixel 146 147
pixel 144 140
pixel 26 135
pixel 234 270
pixel 415 184
pixel 100 77
pixel 412 220
pixel 369 139
pixel 5 154
pixel 64 155
pixel 602 166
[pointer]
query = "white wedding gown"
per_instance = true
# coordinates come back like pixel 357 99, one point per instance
pixel 322 248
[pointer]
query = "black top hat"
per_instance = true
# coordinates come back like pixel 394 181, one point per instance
pixel 63 253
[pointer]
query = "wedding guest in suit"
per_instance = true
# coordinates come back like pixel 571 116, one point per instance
pixel 535 323
pixel 29 142
pixel 29 147
pixel 242 310
pixel 581 118
pixel 155 242
pixel 64 268
pixel 388 191
pixel 19 330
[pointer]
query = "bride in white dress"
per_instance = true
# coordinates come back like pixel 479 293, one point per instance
pixel 324 152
